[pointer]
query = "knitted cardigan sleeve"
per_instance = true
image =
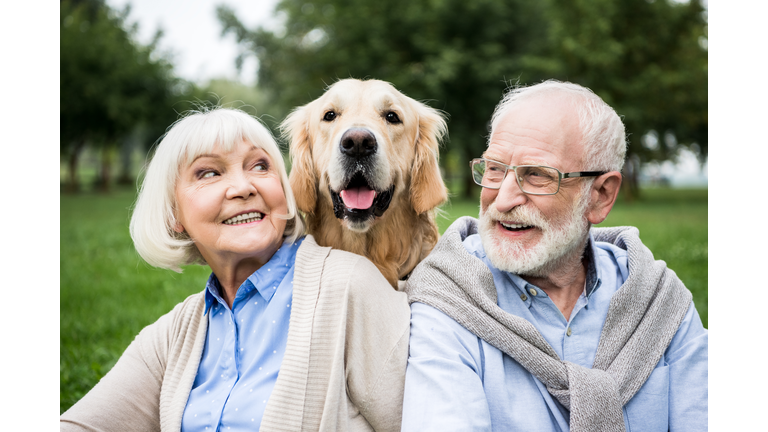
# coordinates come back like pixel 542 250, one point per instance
pixel 131 396
pixel 378 330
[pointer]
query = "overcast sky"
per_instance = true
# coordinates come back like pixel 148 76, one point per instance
pixel 193 33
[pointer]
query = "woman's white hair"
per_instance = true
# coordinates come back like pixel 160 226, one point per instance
pixel 197 133
pixel 603 134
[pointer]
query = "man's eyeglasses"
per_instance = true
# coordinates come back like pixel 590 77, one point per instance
pixel 532 179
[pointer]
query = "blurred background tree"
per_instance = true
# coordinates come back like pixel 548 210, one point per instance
pixel 454 54
pixel 114 91
pixel 646 58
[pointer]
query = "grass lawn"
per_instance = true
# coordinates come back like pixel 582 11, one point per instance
pixel 108 294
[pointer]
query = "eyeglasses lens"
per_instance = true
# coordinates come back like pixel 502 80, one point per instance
pixel 531 179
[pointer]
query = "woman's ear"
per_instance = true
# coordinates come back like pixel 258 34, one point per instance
pixel 604 191
pixel 303 180
pixel 176 224
pixel 427 188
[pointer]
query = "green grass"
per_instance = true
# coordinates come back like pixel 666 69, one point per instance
pixel 673 224
pixel 108 294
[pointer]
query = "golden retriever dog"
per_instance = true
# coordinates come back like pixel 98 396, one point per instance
pixel 365 172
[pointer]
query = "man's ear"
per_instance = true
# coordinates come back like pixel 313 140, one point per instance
pixel 603 195
pixel 302 178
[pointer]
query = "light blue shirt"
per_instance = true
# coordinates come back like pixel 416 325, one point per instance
pixel 243 349
pixel 456 381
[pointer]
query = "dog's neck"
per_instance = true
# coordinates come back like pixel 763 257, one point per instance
pixel 395 244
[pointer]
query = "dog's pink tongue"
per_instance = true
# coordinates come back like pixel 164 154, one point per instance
pixel 358 198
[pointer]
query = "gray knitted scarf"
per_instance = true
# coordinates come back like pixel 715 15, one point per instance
pixel 643 316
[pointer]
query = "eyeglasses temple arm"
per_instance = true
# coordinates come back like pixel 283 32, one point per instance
pixel 584 174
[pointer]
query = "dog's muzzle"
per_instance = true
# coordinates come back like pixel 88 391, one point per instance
pixel 361 198
pixel 379 206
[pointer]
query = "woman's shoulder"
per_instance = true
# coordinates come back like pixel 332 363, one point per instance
pixel 183 318
pixel 362 280
pixel 336 263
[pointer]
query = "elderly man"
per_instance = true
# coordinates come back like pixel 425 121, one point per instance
pixel 531 320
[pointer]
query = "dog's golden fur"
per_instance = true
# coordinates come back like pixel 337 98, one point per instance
pixel 396 241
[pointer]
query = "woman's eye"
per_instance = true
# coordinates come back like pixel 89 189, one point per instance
pixel 208 174
pixel 393 118
pixel 261 166
pixel 329 116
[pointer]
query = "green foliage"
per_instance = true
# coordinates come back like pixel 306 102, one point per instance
pixel 234 94
pixel 108 294
pixel 452 52
pixel 643 57
pixel 110 84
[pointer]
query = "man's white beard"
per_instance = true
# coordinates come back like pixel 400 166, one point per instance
pixel 556 246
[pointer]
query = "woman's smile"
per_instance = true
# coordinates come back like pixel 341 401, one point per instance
pixel 244 218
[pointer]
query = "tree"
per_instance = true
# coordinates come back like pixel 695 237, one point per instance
pixel 110 84
pixel 453 53
pixel 645 58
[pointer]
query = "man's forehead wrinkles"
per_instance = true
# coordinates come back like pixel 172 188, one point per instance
pixel 518 135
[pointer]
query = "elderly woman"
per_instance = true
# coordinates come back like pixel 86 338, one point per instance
pixel 286 335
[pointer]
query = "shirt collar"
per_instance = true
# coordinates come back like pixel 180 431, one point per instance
pixel 265 280
pixel 594 279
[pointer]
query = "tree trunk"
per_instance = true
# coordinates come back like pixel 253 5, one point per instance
pixel 126 152
pixel 630 185
pixel 469 184
pixel 73 183
pixel 107 159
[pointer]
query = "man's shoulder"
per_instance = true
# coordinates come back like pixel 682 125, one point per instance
pixel 428 318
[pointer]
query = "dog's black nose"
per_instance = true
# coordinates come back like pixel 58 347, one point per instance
pixel 358 143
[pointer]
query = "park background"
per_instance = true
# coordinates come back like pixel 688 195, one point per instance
pixel 121 86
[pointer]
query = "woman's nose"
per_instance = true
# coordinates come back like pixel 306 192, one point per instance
pixel 240 186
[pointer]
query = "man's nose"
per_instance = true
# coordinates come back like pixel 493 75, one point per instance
pixel 509 194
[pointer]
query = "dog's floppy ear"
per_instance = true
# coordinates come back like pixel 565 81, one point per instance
pixel 295 129
pixel 427 188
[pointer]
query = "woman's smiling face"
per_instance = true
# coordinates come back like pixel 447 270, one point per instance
pixel 232 205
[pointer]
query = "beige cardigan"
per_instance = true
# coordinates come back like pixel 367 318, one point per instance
pixel 343 369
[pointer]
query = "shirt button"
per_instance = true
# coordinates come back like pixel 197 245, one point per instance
pixel 523 297
pixel 533 292
pixel 568 332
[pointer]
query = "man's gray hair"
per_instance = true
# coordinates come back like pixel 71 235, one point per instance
pixel 603 134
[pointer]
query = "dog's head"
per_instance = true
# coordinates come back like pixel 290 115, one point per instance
pixel 362 145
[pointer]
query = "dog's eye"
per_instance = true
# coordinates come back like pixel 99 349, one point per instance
pixel 393 118
pixel 329 116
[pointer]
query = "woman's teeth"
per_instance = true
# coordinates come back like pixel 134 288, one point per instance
pixel 244 218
